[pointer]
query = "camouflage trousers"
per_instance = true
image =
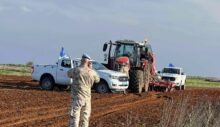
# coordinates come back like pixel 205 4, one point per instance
pixel 80 112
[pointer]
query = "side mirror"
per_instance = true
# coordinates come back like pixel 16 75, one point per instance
pixel 105 46
pixel 182 73
pixel 158 72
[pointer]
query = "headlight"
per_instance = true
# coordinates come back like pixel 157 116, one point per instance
pixel 113 77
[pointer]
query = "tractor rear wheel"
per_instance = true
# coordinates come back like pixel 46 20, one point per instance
pixel 146 80
pixel 136 81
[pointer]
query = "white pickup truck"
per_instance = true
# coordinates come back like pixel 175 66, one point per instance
pixel 56 75
pixel 175 75
pixel 109 80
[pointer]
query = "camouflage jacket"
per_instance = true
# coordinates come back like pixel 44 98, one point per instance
pixel 83 80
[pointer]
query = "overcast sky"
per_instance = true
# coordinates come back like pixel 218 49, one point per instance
pixel 184 32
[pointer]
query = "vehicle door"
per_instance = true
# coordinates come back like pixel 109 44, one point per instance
pixel 63 68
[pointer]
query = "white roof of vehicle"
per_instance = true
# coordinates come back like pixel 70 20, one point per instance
pixel 174 67
pixel 78 59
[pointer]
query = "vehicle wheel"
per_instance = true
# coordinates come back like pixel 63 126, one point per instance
pixel 47 83
pixel 136 81
pixel 151 88
pixel 183 87
pixel 178 87
pixel 102 87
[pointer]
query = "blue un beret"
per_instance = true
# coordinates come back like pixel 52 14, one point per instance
pixel 86 56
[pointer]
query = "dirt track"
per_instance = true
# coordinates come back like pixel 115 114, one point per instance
pixel 24 106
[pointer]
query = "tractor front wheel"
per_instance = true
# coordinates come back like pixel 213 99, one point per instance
pixel 136 81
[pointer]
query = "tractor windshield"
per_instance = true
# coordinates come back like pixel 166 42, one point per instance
pixel 124 50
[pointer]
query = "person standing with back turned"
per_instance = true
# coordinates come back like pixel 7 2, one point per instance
pixel 83 79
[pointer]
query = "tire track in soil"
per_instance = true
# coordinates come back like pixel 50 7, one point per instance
pixel 119 99
pixel 56 121
pixel 109 96
pixel 63 123
pixel 100 112
pixel 35 119
pixel 21 87
pixel 32 116
pixel 114 108
pixel 112 100
pixel 32 109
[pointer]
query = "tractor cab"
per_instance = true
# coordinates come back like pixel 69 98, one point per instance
pixel 134 51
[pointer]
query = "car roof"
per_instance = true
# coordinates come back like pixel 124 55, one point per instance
pixel 78 59
pixel 131 42
pixel 174 67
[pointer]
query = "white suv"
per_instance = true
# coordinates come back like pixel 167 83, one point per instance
pixel 109 80
pixel 56 75
pixel 175 75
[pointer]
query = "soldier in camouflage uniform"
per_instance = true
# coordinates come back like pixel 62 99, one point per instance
pixel 83 79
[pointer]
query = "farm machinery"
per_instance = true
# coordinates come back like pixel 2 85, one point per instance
pixel 139 55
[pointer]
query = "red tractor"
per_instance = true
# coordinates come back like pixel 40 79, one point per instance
pixel 139 55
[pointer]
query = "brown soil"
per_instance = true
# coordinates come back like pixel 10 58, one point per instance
pixel 22 103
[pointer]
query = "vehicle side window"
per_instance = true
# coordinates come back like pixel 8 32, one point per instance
pixel 66 63
pixel 76 63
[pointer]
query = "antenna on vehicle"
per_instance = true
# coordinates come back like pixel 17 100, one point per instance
pixel 145 40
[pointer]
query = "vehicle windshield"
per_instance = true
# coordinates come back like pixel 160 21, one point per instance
pixel 124 50
pixel 98 66
pixel 171 70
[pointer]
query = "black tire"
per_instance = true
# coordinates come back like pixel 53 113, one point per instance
pixel 102 87
pixel 178 87
pixel 183 87
pixel 47 83
pixel 151 88
pixel 136 81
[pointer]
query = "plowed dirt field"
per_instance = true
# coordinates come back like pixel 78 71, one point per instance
pixel 22 103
